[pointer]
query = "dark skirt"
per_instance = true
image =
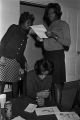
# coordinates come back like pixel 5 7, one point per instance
pixel 9 71
pixel 58 59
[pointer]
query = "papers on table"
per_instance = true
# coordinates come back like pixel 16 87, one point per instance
pixel 59 115
pixel 40 30
pixel 67 116
pixel 30 108
pixel 18 118
pixel 49 111
pixel 46 110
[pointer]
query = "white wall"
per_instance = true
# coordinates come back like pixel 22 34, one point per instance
pixel 70 15
pixel 9 14
pixel 78 46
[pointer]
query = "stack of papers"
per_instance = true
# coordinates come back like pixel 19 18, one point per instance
pixel 40 30
pixel 67 116
pixel 46 110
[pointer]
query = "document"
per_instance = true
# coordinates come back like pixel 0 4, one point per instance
pixel 46 110
pixel 67 116
pixel 40 30
pixel 30 108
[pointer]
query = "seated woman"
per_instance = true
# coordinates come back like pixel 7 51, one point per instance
pixel 39 81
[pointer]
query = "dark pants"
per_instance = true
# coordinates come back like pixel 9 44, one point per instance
pixel 19 88
pixel 57 57
pixel 2 85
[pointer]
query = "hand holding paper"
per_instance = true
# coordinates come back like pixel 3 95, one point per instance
pixel 40 30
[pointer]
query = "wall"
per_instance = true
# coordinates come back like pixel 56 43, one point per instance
pixel 78 46
pixel 70 15
pixel 9 14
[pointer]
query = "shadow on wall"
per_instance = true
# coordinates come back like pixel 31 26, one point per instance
pixel 32 53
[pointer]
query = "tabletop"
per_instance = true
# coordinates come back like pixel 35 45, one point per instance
pixel 19 105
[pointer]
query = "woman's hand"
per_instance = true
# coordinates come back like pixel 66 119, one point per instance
pixel 21 71
pixel 40 101
pixel 48 33
pixel 52 35
pixel 27 67
pixel 43 94
pixel 39 39
pixel 3 60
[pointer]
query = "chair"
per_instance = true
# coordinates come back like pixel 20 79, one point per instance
pixel 69 93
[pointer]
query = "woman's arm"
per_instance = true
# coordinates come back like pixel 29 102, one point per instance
pixel 8 35
pixel 38 41
pixel 61 35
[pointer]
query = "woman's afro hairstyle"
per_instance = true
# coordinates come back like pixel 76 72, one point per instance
pixel 57 11
pixel 26 16
pixel 43 65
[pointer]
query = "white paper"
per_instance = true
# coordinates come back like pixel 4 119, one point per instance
pixel 18 118
pixel 40 30
pixel 67 116
pixel 46 111
pixel 30 108
pixel 2 100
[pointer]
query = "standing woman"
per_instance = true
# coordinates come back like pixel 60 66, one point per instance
pixel 58 41
pixel 12 49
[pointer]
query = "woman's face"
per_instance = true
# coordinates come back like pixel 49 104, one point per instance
pixel 27 24
pixel 51 15
pixel 43 75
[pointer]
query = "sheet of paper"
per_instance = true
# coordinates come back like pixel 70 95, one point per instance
pixel 30 108
pixel 18 118
pixel 67 116
pixel 40 30
pixel 46 111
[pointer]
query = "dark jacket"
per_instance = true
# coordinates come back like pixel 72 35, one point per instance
pixel 35 84
pixel 13 43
